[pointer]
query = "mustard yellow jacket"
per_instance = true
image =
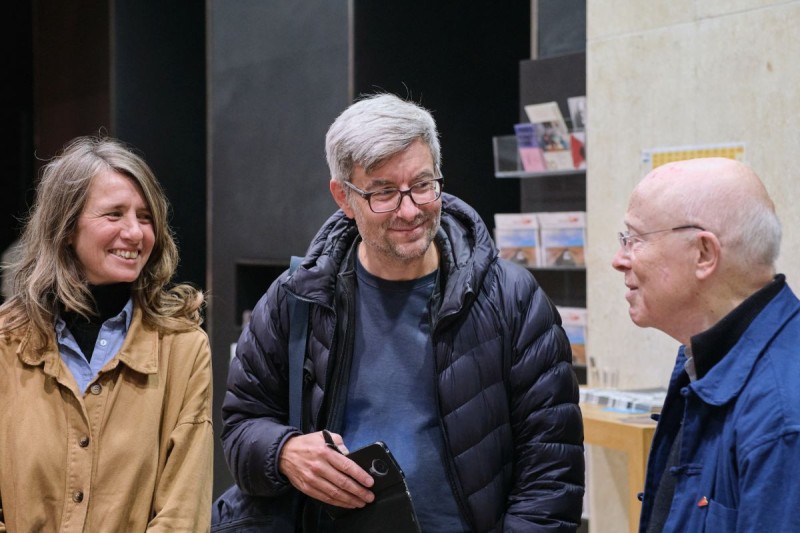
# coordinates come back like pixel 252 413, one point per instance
pixel 133 454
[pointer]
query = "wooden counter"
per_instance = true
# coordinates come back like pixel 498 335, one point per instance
pixel 628 433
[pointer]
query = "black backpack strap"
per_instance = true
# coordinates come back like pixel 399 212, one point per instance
pixel 237 512
pixel 298 332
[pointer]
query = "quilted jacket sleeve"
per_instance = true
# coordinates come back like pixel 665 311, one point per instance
pixel 255 408
pixel 547 494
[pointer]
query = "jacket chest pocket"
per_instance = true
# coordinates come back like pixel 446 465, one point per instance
pixel 720 518
pixel 693 511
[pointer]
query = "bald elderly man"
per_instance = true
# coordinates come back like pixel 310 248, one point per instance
pixel 698 258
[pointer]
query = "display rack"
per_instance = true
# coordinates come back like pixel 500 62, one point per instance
pixel 507 163
pixel 545 80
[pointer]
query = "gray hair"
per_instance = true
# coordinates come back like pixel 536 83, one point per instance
pixel 746 224
pixel 374 129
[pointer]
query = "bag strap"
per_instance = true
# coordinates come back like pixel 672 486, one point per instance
pixel 298 332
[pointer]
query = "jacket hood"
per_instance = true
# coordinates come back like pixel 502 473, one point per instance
pixel 466 249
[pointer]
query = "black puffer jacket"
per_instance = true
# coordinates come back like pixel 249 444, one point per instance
pixel 507 393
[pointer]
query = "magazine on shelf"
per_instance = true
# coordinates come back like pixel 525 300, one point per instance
pixel 577 144
pixel 577 112
pixel 517 237
pixel 625 400
pixel 530 151
pixel 552 134
pixel 573 320
pixel 563 237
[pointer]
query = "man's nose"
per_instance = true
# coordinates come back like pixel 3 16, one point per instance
pixel 407 207
pixel 621 260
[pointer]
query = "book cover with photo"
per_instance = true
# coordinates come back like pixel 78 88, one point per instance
pixel 531 154
pixel 573 320
pixel 577 112
pixel 552 134
pixel 563 238
pixel 517 237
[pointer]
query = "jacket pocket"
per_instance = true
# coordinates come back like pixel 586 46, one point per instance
pixel 720 518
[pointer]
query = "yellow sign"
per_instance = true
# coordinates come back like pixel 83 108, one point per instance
pixel 660 156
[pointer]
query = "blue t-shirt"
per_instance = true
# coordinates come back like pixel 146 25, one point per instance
pixel 392 392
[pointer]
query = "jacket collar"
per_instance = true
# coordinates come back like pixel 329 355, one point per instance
pixel 467 252
pixel 728 377
pixel 141 347
pixel 139 352
pixel 710 346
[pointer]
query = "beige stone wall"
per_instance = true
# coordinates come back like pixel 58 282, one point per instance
pixel 670 73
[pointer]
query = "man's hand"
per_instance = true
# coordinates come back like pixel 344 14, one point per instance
pixel 326 475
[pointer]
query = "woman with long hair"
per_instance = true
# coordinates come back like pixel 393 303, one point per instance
pixel 105 373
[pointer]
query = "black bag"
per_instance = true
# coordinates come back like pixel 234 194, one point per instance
pixel 235 511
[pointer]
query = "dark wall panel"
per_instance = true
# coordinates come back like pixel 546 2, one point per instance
pixel 71 74
pixel 16 116
pixel 552 80
pixel 561 27
pixel 278 76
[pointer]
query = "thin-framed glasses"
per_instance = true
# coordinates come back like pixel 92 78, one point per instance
pixel 387 200
pixel 626 238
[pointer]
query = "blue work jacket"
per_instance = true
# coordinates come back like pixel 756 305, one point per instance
pixel 739 464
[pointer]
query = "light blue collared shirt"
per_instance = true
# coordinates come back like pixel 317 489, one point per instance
pixel 109 341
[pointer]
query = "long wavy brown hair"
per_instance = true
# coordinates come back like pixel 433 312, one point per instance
pixel 48 272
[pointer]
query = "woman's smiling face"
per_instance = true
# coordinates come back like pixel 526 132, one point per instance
pixel 114 235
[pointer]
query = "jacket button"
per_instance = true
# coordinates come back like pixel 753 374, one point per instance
pixel 96 389
pixel 84 442
pixel 77 496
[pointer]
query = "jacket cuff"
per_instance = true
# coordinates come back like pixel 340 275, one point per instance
pixel 279 478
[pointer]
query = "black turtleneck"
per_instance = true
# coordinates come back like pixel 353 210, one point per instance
pixel 710 346
pixel 109 301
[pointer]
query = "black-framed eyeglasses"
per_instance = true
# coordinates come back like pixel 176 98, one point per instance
pixel 387 200
pixel 626 238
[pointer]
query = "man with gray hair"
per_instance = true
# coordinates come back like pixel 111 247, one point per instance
pixel 699 263
pixel 420 337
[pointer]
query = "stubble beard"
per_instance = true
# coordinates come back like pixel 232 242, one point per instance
pixel 407 252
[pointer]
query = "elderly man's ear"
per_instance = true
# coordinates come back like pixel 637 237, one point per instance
pixel 708 250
